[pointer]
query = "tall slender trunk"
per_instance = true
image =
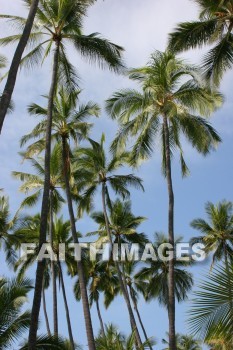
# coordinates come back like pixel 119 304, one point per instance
pixel 122 285
pixel 44 208
pixel 81 275
pixel 12 75
pixel 171 286
pixel 100 317
pixel 229 280
pixel 66 307
pixel 45 312
pixel 139 316
pixel 53 272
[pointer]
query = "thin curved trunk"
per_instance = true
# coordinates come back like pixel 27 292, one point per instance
pixel 81 275
pixel 100 317
pixel 66 307
pixel 122 285
pixel 45 312
pixel 44 208
pixel 53 272
pixel 171 279
pixel 139 316
pixel 12 75
pixel 229 280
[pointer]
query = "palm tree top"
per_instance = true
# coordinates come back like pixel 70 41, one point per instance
pixel 170 88
pixel 93 167
pixel 122 223
pixel 217 231
pixel 215 25
pixel 59 22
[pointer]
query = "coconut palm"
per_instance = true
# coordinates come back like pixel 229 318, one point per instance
pixel 69 124
pixel 157 276
pixel 29 229
pixel 35 183
pixel 58 22
pixel 184 342
pixel 211 315
pixel 101 278
pixel 123 225
pixel 172 92
pixel 214 26
pixel 217 232
pixel 94 170
pixel 115 340
pixel 13 322
pixel 136 287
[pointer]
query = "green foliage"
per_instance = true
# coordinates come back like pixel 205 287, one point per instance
pixel 170 89
pixel 60 23
pixel 156 276
pixel 217 232
pixel 115 340
pixel 211 316
pixel 184 342
pixel 13 322
pixel 93 168
pixel 214 27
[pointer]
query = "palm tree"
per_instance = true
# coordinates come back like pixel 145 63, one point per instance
pixel 69 124
pixel 136 286
pixel 100 278
pixel 165 109
pixel 58 22
pixel 94 170
pixel 214 26
pixel 115 340
pixel 211 316
pixel 123 225
pixel 218 235
pixel 184 342
pixel 217 232
pixel 34 183
pixel 156 277
pixel 61 234
pixel 11 79
pixel 13 322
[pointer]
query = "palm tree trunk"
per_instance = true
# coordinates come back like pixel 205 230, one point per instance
pixel 82 281
pixel 54 282
pixel 100 317
pixel 45 312
pixel 229 280
pixel 171 284
pixel 122 286
pixel 139 316
pixel 12 75
pixel 44 208
pixel 66 307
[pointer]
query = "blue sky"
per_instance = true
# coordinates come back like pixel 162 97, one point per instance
pixel 140 27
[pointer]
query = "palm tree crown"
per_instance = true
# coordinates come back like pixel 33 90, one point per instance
pixel 156 276
pixel 214 26
pixel 164 93
pixel 59 22
pixel 217 232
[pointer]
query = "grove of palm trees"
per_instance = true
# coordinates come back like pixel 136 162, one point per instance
pixel 116 209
